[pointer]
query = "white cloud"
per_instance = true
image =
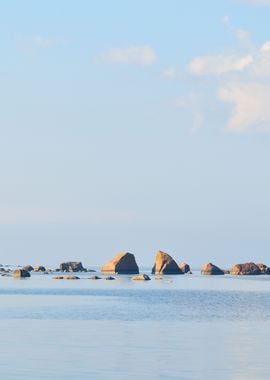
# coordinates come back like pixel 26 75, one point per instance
pixel 215 65
pixel 138 55
pixel 251 109
pixel 169 73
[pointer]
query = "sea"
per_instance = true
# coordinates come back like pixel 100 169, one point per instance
pixel 172 327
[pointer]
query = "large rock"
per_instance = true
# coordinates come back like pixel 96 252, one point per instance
pixel 245 269
pixel 123 263
pixel 72 266
pixel 211 269
pixel 21 273
pixel 165 264
pixel 185 268
pixel 29 268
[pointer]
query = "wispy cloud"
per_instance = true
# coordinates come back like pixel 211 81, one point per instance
pixel 137 55
pixel 28 45
pixel 219 64
pixel 169 73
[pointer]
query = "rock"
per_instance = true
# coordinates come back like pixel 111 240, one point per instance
pixel 165 264
pixel 141 277
pixel 71 278
pixel 66 278
pixel 94 278
pixel 245 269
pixel 225 271
pixel 211 269
pixel 40 268
pixel 185 268
pixel 263 268
pixel 21 273
pixel 123 263
pixel 109 278
pixel 29 268
pixel 72 266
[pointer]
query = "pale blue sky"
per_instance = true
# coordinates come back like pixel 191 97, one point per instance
pixel 134 125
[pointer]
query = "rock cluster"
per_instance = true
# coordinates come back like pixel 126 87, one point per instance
pixel 248 269
pixel 72 266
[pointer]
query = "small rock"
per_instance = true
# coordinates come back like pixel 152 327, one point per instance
pixel 109 278
pixel 40 268
pixel 185 268
pixel 29 268
pixel 141 277
pixel 94 278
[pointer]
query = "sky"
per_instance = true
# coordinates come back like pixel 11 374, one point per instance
pixel 133 125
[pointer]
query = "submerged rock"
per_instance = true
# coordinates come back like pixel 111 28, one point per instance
pixel 21 273
pixel 185 268
pixel 211 269
pixel 94 278
pixel 66 278
pixel 246 269
pixel 165 264
pixel 123 263
pixel 72 266
pixel 141 277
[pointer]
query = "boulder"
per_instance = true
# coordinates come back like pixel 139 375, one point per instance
pixel 185 268
pixel 40 268
pixel 141 277
pixel 165 264
pixel 263 268
pixel 211 269
pixel 247 269
pixel 123 263
pixel 29 268
pixel 72 266
pixel 21 273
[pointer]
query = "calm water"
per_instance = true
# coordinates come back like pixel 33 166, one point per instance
pixel 180 327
